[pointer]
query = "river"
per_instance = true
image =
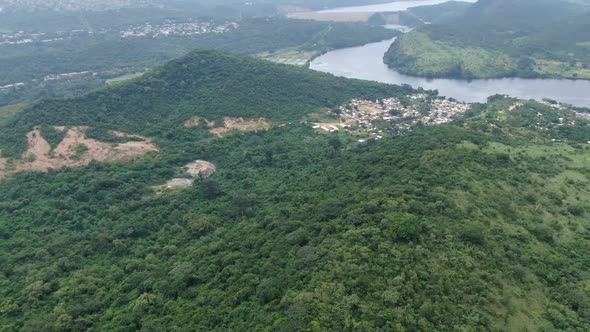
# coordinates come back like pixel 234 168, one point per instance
pixel 387 7
pixel 366 62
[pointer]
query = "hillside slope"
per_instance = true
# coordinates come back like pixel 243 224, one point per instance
pixel 203 83
pixel 480 224
pixel 497 38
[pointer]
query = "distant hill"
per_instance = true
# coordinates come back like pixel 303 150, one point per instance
pixel 522 38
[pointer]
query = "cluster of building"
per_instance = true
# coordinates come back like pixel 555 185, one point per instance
pixel 72 5
pixel 10 86
pixel 17 38
pixel 68 75
pixel 170 28
pixel 22 37
pixel 372 118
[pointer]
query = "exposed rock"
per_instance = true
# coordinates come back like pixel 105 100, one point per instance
pixel 179 183
pixel 200 168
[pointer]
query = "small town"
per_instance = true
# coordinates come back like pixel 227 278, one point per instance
pixel 373 118
pixel 67 75
pixel 192 27
pixel 171 28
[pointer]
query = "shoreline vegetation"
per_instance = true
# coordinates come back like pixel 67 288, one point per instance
pixel 416 54
pixel 476 44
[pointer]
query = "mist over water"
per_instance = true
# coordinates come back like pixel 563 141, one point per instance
pixel 388 7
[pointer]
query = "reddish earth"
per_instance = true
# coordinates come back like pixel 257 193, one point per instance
pixel 241 124
pixel 74 150
pixel 195 121
pixel 229 124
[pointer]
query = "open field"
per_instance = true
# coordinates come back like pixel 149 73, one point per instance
pixel 289 56
pixel 123 78
pixel 332 17
pixel 8 111
pixel 415 53
pixel 562 69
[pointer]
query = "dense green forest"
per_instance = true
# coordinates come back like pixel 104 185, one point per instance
pixel 111 56
pixel 477 225
pixel 499 38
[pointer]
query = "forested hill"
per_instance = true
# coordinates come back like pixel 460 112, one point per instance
pixel 475 225
pixel 203 83
pixel 500 38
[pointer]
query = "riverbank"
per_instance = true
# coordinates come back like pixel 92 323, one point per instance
pixel 360 13
pixel 417 54
pixel 366 63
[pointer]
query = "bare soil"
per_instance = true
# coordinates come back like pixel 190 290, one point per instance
pixel 74 150
pixel 179 183
pixel 200 168
pixel 241 124
pixel 195 121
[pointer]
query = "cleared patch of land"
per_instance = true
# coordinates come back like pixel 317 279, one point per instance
pixel 123 78
pixel 289 56
pixel 230 124
pixel 196 169
pixel 241 124
pixel 562 69
pixel 8 111
pixel 74 150
pixel 196 121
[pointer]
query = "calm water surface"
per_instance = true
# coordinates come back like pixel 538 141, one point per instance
pixel 387 7
pixel 366 62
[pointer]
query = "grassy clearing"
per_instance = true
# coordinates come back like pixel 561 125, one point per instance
pixel 416 53
pixel 289 56
pixel 8 111
pixel 562 69
pixel 123 78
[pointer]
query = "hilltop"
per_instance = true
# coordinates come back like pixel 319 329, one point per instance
pixel 497 38
pixel 477 222
pixel 203 83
